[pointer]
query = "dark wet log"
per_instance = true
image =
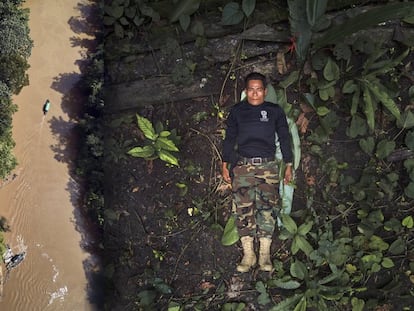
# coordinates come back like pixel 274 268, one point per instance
pixel 220 50
pixel 160 90
pixel 400 155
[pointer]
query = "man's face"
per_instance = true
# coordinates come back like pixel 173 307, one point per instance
pixel 255 92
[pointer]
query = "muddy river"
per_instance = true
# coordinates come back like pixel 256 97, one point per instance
pixel 40 203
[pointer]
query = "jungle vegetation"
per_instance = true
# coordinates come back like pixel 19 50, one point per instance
pixel 351 240
pixel 15 49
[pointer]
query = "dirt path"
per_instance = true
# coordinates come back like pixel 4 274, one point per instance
pixel 39 204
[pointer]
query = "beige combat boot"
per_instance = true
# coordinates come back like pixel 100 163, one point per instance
pixel 264 254
pixel 249 257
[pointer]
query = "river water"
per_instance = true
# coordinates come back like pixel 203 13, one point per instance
pixel 40 203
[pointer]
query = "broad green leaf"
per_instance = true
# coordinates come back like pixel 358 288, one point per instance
pixel 165 133
pixel 286 195
pixel 387 263
pixel 384 98
pixel 147 297
pixel 310 99
pixel 233 306
pixel 409 19
pixel 331 296
pixel 357 304
pixel 285 284
pixel 161 286
pixel 289 224
pixel 367 145
pixel 350 268
pixel 159 127
pixel 331 70
pixel 305 228
pixel 150 12
pixel 173 306
pixel 298 270
pixel 248 7
pixel 349 87
pixel 408 222
pixel 230 234
pixel 411 90
pixel 165 144
pixel 355 101
pixel 384 148
pixel 322 110
pixel 294 247
pixel 376 216
pixel 301 306
pixel 324 94
pixel 331 277
pixel 263 298
pixel 130 12
pixel 389 65
pixel 303 244
pixel 288 303
pixel 138 20
pixel 358 127
pixel 319 59
pixel 146 127
pixel 372 258
pixel 232 15
pixel 124 21
pixel 292 78
pixel 409 140
pixel 184 7
pixel 377 243
pixel 409 165
pixel 377 54
pixel 407 120
pixel 271 95
pixel 168 157
pixel 315 9
pixel 342 51
pixel 365 20
pixel 375 267
pixel 184 22
pixel 397 247
pixel 295 143
pixel 392 224
pixel 300 27
pixel 197 28
pixel 142 152
pixel 369 108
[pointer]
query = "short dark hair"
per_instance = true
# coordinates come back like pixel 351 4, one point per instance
pixel 254 76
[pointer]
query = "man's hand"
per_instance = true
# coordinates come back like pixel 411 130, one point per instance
pixel 225 172
pixel 288 174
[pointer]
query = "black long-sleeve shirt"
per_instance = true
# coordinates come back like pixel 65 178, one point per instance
pixel 252 129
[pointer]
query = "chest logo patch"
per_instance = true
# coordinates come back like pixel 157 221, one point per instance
pixel 264 117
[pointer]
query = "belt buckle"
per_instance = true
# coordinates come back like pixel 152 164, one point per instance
pixel 256 161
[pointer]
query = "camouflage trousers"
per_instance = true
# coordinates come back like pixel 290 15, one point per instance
pixel 255 198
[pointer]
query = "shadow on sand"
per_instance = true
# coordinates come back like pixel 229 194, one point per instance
pixel 68 84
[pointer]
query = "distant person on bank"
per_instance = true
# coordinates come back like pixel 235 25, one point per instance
pixel 249 165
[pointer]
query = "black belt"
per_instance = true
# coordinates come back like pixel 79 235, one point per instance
pixel 254 161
